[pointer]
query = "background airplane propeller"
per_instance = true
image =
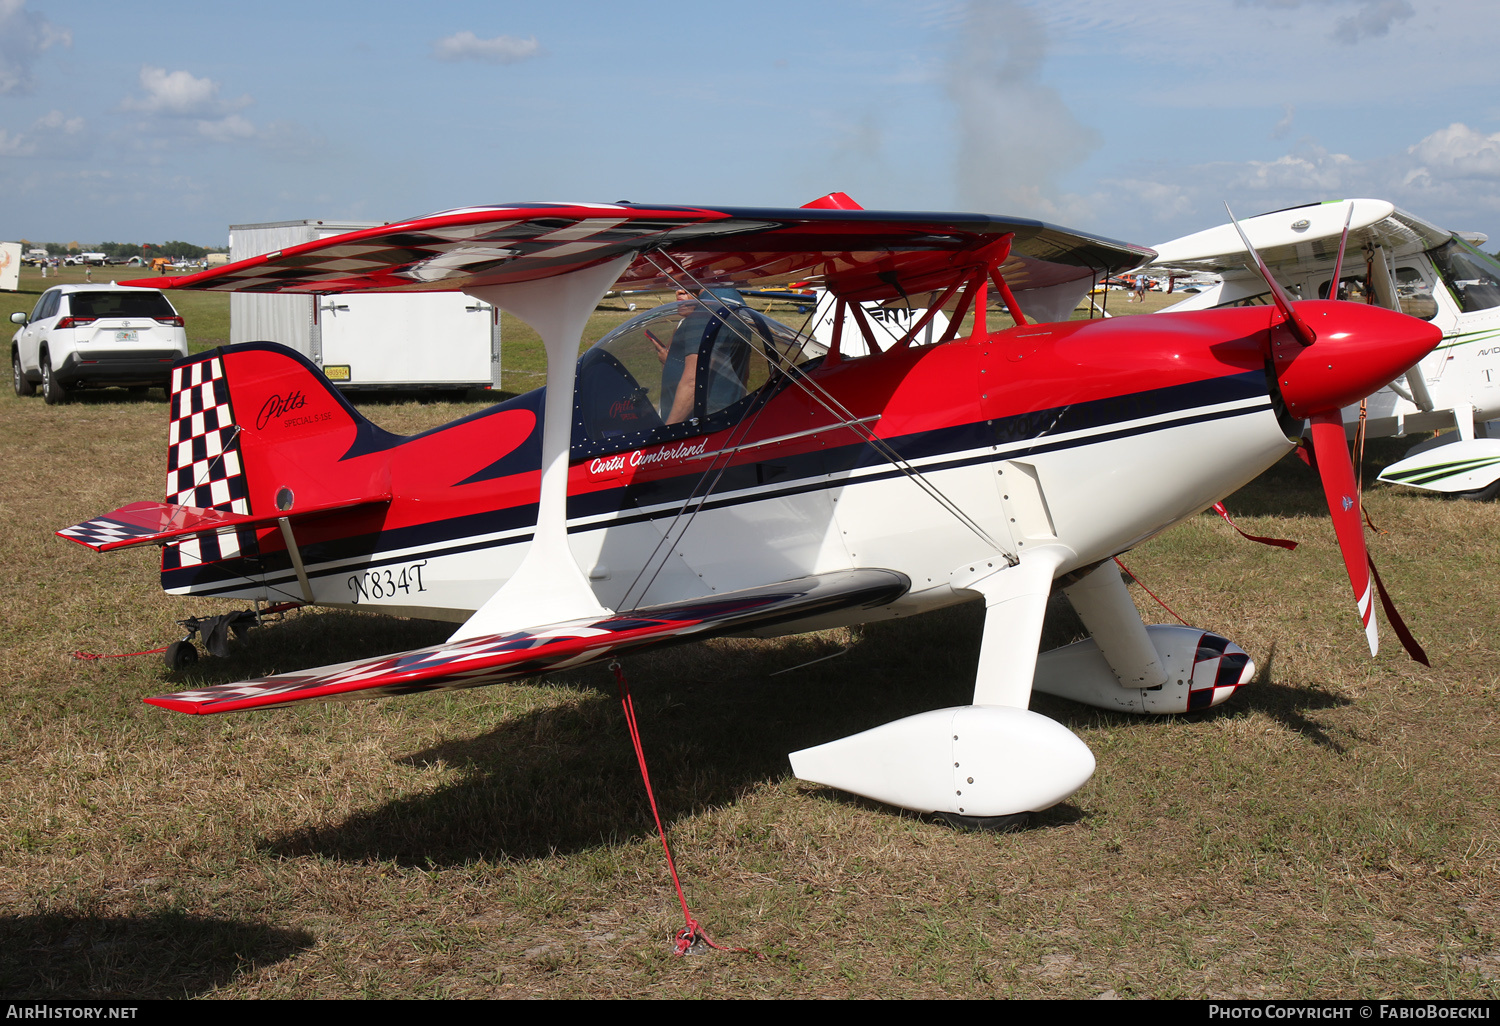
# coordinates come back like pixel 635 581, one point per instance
pixel 1361 348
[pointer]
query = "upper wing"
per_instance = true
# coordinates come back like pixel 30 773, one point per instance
pixel 858 254
pixel 496 657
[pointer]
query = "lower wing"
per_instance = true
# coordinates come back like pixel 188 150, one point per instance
pixel 493 658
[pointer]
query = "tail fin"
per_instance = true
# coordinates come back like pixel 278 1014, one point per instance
pixel 203 458
pixel 204 468
pixel 257 429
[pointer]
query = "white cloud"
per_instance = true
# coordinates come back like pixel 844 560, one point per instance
pixel 1370 19
pixel 1314 171
pixel 23 35
pixel 1288 115
pixel 1458 152
pixel 466 46
pixel 1450 177
pixel 180 94
pixel 179 106
pixel 1374 18
pixel 230 128
pixel 54 134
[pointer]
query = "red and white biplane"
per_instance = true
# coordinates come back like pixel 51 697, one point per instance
pixel 704 470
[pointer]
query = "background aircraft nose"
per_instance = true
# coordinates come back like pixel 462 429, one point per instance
pixel 1359 349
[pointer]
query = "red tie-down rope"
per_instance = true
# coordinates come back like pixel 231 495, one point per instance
pixel 692 932
pixel 1148 591
pixel 1281 543
pixel 1403 633
pixel 1218 508
pixel 117 655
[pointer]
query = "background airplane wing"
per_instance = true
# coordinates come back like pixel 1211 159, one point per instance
pixel 490 659
pixel 1298 235
pixel 858 254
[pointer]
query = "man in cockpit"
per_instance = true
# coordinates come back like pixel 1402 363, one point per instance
pixel 701 329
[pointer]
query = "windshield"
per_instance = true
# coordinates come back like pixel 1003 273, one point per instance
pixel 686 367
pixel 1472 277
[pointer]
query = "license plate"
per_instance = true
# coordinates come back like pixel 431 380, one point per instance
pixel 125 336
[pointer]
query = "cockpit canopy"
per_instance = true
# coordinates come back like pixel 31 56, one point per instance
pixel 684 368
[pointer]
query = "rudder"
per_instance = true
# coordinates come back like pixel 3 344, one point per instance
pixel 257 429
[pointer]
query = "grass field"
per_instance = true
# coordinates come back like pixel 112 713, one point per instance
pixel 1332 831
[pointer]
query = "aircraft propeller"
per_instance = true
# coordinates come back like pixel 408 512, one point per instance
pixel 1336 354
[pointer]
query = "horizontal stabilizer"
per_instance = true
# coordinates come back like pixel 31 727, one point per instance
pixel 493 658
pixel 147 523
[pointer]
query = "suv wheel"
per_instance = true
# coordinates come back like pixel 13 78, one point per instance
pixel 52 389
pixel 18 377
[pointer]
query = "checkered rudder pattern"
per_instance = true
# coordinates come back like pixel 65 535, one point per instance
pixel 203 463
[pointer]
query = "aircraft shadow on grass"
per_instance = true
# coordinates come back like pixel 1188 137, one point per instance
pixel 717 721
pixel 153 956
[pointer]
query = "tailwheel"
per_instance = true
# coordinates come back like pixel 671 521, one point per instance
pixel 180 655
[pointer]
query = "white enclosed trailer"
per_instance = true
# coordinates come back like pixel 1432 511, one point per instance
pixel 425 340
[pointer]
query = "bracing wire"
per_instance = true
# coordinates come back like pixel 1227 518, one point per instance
pixel 712 474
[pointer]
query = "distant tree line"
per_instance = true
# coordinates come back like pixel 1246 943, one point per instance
pixel 125 250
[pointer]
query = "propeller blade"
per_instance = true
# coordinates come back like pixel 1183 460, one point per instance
pixel 1300 328
pixel 1336 470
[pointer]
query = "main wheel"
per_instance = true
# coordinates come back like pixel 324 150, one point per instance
pixel 52 389
pixel 987 824
pixel 180 655
pixel 18 378
pixel 1484 494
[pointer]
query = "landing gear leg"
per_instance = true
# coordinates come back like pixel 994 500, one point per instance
pixel 216 632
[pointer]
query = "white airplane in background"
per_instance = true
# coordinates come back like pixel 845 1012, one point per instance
pixel 1399 261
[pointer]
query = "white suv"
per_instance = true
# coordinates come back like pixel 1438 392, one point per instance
pixel 91 336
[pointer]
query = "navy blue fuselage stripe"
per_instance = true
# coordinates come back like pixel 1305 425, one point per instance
pixel 519 517
pixel 810 471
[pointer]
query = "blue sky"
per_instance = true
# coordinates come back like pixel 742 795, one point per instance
pixel 140 122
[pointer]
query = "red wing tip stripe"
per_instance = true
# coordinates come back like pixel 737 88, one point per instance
pixel 1367 604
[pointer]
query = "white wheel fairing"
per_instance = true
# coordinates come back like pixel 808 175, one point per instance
pixel 1203 670
pixel 973 760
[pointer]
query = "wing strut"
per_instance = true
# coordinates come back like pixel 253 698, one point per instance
pixel 295 551
pixel 549 585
